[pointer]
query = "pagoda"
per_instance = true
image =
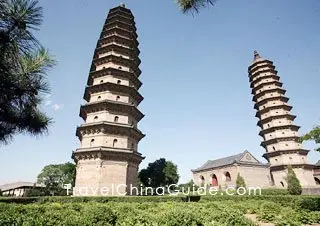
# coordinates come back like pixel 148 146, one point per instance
pixel 108 158
pixel 279 133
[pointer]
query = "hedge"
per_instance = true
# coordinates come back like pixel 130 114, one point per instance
pixel 311 203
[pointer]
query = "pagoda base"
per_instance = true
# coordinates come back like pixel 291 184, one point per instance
pixel 106 173
pixel 303 172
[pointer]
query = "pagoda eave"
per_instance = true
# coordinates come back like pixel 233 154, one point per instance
pixel 108 86
pixel 253 66
pixel 112 105
pixel 276 90
pixel 278 139
pixel 277 83
pixel 107 153
pixel 270 118
pixel 283 166
pixel 118 60
pixel 274 128
pixel 264 101
pixel 267 155
pixel 267 109
pixel 109 127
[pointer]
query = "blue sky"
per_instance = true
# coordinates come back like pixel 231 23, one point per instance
pixel 194 72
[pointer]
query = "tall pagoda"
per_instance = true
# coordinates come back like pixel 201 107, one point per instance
pixel 108 159
pixel 279 133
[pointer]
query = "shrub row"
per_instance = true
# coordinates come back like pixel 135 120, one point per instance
pixel 222 212
pixel 129 214
pixel 311 203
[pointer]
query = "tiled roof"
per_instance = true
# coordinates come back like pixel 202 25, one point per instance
pixel 228 161
pixel 16 185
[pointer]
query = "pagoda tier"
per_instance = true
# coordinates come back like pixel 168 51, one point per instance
pixel 108 156
pixel 280 135
pixel 107 105
pixel 114 72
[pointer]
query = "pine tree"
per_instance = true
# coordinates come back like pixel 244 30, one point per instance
pixel 23 67
pixel 294 186
pixel 240 182
pixel 194 5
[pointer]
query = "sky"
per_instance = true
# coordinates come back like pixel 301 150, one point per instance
pixel 198 104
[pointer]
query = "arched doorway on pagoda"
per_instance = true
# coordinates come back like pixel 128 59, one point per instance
pixel 214 181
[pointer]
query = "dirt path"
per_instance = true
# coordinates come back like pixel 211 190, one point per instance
pixel 253 218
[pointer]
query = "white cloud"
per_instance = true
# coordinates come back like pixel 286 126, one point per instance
pixel 57 107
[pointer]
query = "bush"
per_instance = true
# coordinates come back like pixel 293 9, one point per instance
pixel 310 203
pixel 240 182
pixel 274 191
pixel 294 186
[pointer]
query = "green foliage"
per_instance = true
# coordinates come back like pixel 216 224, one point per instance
pixel 23 68
pixel 240 182
pixel 190 186
pixel 164 210
pixel 314 135
pixel 274 191
pixel 194 5
pixel 54 177
pixel 159 173
pixel 294 186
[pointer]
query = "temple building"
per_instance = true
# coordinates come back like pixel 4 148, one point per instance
pixel 108 158
pixel 223 172
pixel 280 140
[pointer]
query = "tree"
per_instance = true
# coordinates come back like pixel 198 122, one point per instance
pixel 54 177
pixel 159 173
pixel 240 182
pixel 189 185
pixel 314 135
pixel 294 186
pixel 23 67
pixel 194 5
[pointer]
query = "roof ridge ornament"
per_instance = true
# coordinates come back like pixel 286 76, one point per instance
pixel 256 55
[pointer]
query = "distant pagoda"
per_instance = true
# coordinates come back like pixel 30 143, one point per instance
pixel 280 134
pixel 108 156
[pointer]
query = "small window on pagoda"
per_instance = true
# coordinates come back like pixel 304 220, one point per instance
pixel 91 142
pixel 117 98
pixel 290 158
pixel 287 145
pixel 276 160
pixel 268 125
pixel 96 118
pixel 119 67
pixel 282 184
pixel 99 97
pixel 101 81
pixel 116 119
pixel 104 68
pixel 119 82
pixel 114 142
pixel 273 148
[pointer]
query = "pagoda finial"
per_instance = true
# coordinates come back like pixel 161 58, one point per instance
pixel 122 5
pixel 256 55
